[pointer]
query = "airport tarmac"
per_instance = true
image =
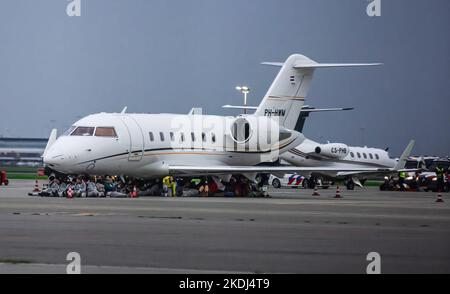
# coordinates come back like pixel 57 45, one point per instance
pixel 290 232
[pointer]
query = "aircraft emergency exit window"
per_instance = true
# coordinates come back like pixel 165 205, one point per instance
pixel 83 131
pixel 370 155
pixel 193 136
pixel 161 136
pixel 359 155
pixel 203 137
pixel 365 155
pixel 172 137
pixel 152 138
pixel 352 154
pixel 213 137
pixel 105 132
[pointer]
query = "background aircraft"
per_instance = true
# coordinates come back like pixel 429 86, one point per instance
pixel 338 155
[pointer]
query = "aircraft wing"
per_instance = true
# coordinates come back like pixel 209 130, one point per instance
pixel 381 172
pixel 227 169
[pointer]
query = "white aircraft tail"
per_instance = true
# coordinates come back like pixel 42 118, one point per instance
pixel 402 160
pixel 287 94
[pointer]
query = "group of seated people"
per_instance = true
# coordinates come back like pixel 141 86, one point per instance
pixel 84 186
pixel 114 186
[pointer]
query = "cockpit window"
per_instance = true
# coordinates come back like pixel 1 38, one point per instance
pixel 70 130
pixel 83 131
pixel 105 132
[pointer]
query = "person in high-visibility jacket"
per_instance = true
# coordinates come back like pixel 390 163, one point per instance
pixel 173 187
pixel 401 180
pixel 439 170
pixel 167 186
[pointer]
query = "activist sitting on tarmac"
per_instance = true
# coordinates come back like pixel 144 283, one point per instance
pixel 204 188
pixel 115 189
pixel 150 189
pixel 78 188
pixel 91 189
pixel 190 190
pixel 100 187
pixel 230 188
pixel 62 189
pixel 51 190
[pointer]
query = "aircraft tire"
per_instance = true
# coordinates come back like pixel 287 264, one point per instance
pixel 350 185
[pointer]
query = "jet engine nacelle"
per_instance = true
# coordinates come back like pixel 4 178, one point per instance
pixel 255 133
pixel 241 130
pixel 332 150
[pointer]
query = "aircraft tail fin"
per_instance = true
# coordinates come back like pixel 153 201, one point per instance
pixel 287 94
pixel 402 160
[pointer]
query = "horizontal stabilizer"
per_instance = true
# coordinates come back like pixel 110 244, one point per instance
pixel 240 107
pixel 279 64
pixel 314 65
pixel 331 65
pixel 326 109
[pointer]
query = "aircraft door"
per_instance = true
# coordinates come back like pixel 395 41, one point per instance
pixel 136 136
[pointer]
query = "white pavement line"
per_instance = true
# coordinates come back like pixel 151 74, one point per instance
pixel 42 268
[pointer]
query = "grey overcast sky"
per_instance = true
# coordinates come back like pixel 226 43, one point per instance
pixel 170 55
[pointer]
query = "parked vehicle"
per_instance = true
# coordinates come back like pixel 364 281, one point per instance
pixel 297 181
pixel 4 178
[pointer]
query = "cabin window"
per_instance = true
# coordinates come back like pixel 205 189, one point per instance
pixel 182 137
pixel 365 155
pixel 83 131
pixel 105 132
pixel 359 155
pixel 152 138
pixel 172 137
pixel 352 154
pixel 370 155
pixel 192 136
pixel 203 137
pixel 377 157
pixel 161 136
pixel 213 137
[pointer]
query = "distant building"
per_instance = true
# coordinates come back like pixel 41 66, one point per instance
pixel 22 151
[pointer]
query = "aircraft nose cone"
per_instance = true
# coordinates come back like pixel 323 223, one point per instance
pixel 53 159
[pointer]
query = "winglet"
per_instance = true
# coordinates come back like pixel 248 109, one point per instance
pixel 51 140
pixel 402 160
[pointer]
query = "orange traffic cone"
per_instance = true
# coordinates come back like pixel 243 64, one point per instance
pixel 69 192
pixel 36 186
pixel 133 193
pixel 338 193
pixel 316 192
pixel 439 198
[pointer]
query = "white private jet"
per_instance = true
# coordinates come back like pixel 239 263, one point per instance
pixel 155 145
pixel 338 155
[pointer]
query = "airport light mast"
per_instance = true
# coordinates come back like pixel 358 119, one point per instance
pixel 244 90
